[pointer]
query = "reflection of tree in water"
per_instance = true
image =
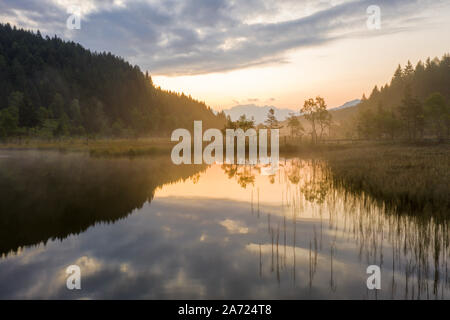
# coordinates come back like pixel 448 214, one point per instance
pixel 315 184
pixel 293 171
pixel 245 174
pixel 47 196
pixel 242 173
pixel 230 170
pixel 412 250
pixel 310 176
pixel 195 178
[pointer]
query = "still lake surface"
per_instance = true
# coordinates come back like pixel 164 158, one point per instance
pixel 144 228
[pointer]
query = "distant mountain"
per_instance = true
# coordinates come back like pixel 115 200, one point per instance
pixel 347 105
pixel 259 113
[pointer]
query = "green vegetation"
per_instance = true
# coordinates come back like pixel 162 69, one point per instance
pixel 50 89
pixel 404 169
pixel 414 106
pixel 242 123
pixel 413 179
pixel 98 147
pixel 296 129
pixel 271 121
pixel 130 148
pixel 315 111
pixel 56 95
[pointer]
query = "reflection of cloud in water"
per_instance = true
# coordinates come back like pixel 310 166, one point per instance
pixel 89 265
pixel 197 246
pixel 182 285
pixel 234 226
pixel 136 258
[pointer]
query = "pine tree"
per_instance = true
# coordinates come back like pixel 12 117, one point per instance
pixel 409 70
pixel 438 114
pixel 271 121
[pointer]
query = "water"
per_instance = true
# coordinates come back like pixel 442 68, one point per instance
pixel 145 228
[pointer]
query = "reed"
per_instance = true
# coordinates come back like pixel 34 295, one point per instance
pixel 412 178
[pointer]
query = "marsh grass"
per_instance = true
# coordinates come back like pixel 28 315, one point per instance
pixel 98 148
pixel 307 149
pixel 413 179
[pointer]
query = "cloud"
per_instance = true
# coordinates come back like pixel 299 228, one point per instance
pixel 233 226
pixel 137 259
pixel 197 36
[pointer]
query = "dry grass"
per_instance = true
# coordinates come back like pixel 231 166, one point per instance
pixel 413 178
pixel 102 147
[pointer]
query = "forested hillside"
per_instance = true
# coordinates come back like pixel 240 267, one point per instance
pixel 414 105
pixel 53 88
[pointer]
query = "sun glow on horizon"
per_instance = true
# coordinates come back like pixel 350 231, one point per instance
pixel 339 71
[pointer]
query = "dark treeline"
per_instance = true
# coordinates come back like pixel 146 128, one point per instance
pixel 414 106
pixel 53 88
pixel 74 193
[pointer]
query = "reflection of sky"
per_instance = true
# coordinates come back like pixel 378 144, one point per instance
pixel 169 249
pixel 216 185
pixel 199 247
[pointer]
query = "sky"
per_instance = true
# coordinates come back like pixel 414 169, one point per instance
pixel 237 52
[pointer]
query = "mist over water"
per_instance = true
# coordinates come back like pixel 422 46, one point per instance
pixel 145 228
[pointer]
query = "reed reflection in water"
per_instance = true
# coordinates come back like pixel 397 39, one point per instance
pixel 145 228
pixel 411 251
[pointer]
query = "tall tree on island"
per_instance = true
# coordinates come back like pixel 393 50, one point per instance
pixel 315 111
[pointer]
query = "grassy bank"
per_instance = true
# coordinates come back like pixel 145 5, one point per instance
pixel 143 146
pixel 411 178
pixel 99 148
